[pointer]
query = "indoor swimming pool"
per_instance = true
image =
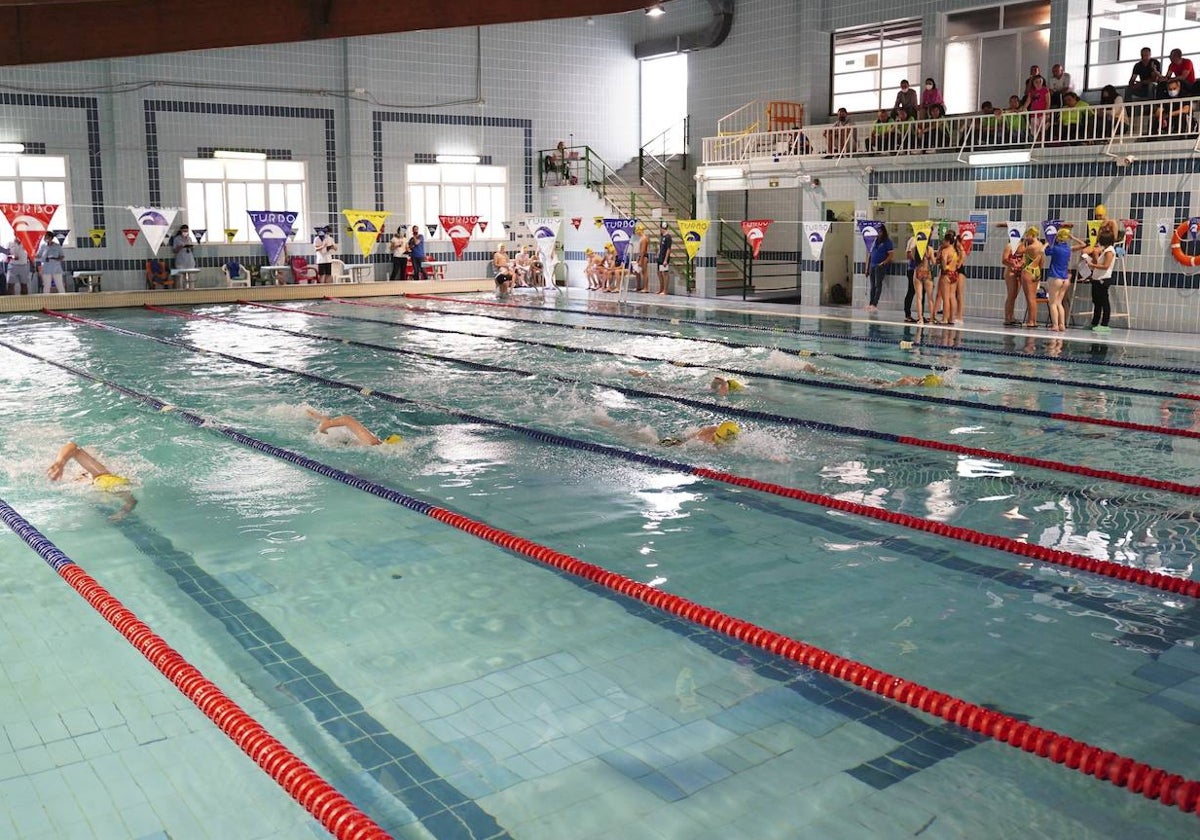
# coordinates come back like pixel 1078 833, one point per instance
pixel 927 502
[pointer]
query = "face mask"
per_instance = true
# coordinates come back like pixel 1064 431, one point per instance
pixel 1172 92
pixel 928 87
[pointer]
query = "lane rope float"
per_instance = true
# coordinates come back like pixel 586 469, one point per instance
pixel 1151 782
pixel 335 812
pixel 1107 387
pixel 1080 562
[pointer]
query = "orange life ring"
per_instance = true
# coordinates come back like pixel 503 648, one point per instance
pixel 1190 260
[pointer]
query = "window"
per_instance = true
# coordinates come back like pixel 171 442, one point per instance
pixel 35 179
pixel 869 62
pixel 457 189
pixel 1118 31
pixel 217 194
pixel 989 52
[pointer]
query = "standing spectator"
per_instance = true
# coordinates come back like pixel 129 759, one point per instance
pixel 398 247
pixel 664 259
pixel 1034 71
pixel 1145 77
pixel 1181 68
pixel 1037 102
pixel 931 96
pixel 1101 265
pixel 416 252
pixel 640 262
pixel 906 100
pixel 181 246
pixel 325 246
pixel 881 254
pixel 1173 116
pixel 4 272
pixel 910 254
pixel 841 137
pixel 51 259
pixel 19 276
pixel 1059 84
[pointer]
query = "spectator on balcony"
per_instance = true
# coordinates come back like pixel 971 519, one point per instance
pixel 906 100
pixel 986 124
pixel 1113 105
pixel 1145 77
pixel 931 96
pixel 1037 103
pixel 935 131
pixel 1059 84
pixel 1181 68
pixel 880 139
pixel 841 137
pixel 1076 119
pixel 1034 71
pixel 1016 122
pixel 1173 116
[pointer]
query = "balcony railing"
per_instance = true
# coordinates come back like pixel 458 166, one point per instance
pixel 1108 128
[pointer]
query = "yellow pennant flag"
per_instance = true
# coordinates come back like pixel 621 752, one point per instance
pixel 366 226
pixel 229 234
pixel 693 231
pixel 921 232
pixel 1094 230
pixel 599 220
pixel 97 236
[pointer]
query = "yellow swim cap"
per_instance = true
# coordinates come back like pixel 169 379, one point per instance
pixel 639 229
pixel 392 439
pixel 1032 231
pixel 734 385
pixel 109 482
pixel 726 431
pixel 931 380
pixel 1063 234
pixel 1101 211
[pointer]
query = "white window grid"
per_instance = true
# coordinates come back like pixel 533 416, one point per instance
pixel 869 62
pixel 218 193
pixel 1118 31
pixel 36 179
pixel 457 189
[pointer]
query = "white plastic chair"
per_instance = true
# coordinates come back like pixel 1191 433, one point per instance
pixel 339 274
pixel 240 277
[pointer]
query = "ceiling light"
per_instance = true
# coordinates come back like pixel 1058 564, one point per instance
pixel 656 10
pixel 996 158
pixel 457 158
pixel 721 173
pixel 12 148
pixel 229 154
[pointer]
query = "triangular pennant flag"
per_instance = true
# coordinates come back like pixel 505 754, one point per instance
pixel 755 230
pixel 966 235
pixel 507 225
pixel 230 233
pixel 97 236
pixel 1016 231
pixel 868 229
pixel 576 221
pixel 545 234
pixel 366 225
pixel 29 223
pixel 1093 230
pixel 273 228
pixel 433 229
pixel 599 220
pixel 921 232
pixel 131 235
pixel 458 228
pixel 1194 228
pixel 1050 228
pixel 815 233
pixel 154 222
pixel 1164 231
pixel 618 232
pixel 482 226
pixel 692 231
pixel 1130 227
pixel 199 233
pixel 61 236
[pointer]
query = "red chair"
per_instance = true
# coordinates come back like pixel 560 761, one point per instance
pixel 302 272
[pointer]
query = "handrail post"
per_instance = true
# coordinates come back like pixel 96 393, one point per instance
pixel 641 164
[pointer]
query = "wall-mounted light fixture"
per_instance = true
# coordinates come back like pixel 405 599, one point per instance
pixel 230 154
pixel 998 158
pixel 656 10
pixel 457 158
pixel 12 148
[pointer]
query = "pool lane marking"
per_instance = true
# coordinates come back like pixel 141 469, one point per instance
pixel 1106 568
pixel 335 812
pixel 1107 387
pixel 821 334
pixel 1138 777
pixel 720 408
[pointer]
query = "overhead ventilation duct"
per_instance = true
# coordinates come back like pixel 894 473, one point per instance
pixel 710 36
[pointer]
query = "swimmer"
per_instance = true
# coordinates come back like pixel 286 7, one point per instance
pixel 102 478
pixel 716 435
pixel 929 380
pixel 723 386
pixel 364 435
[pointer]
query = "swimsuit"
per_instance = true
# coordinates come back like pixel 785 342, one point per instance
pixel 1034 271
pixel 110 483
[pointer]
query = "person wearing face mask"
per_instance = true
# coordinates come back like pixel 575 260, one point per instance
pixel 906 99
pixel 931 96
pixel 1173 116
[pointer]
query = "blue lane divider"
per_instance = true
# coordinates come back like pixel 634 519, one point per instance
pixel 922 343
pixel 34 538
pixel 1107 387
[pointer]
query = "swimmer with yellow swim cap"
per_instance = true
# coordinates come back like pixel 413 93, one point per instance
pixel 345 421
pixel 723 386
pixel 102 478
pixel 716 435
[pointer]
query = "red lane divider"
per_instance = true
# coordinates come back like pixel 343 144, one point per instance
pixel 339 816
pixel 1126 424
pixel 1151 782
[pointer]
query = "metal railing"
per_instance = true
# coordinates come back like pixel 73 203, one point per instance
pixel 1108 127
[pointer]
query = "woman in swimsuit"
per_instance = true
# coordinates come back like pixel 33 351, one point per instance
pixel 1032 254
pixel 950 258
pixel 1013 266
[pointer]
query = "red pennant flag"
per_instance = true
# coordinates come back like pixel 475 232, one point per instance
pixel 966 235
pixel 755 230
pixel 459 228
pixel 29 223
pixel 482 226
pixel 1130 227
pixel 131 234
pixel 577 221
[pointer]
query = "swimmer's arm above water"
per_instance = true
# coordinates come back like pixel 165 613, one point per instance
pixel 325 423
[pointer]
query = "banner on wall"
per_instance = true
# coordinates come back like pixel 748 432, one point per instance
pixel 1093 231
pixel 981 225
pixel 29 223
pixel 756 231
pixel 1129 226
pixel 458 228
pixel 154 223
pixel 97 236
pixel 366 225
pixel 966 235
pixel 868 229
pixel 619 231
pixel 273 228
pixel 576 221
pixel 1016 232
pixel 1164 228
pixel 921 233
pixel 545 234
pixel 692 231
pixel 815 233
pixel 1050 228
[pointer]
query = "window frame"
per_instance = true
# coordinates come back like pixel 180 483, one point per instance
pixel 1160 36
pixel 62 216
pixel 274 191
pixel 464 194
pixel 906 32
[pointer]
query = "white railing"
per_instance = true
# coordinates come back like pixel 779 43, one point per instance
pixel 748 119
pixel 1109 128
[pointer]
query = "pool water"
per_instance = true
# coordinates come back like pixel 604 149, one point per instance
pixel 453 689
